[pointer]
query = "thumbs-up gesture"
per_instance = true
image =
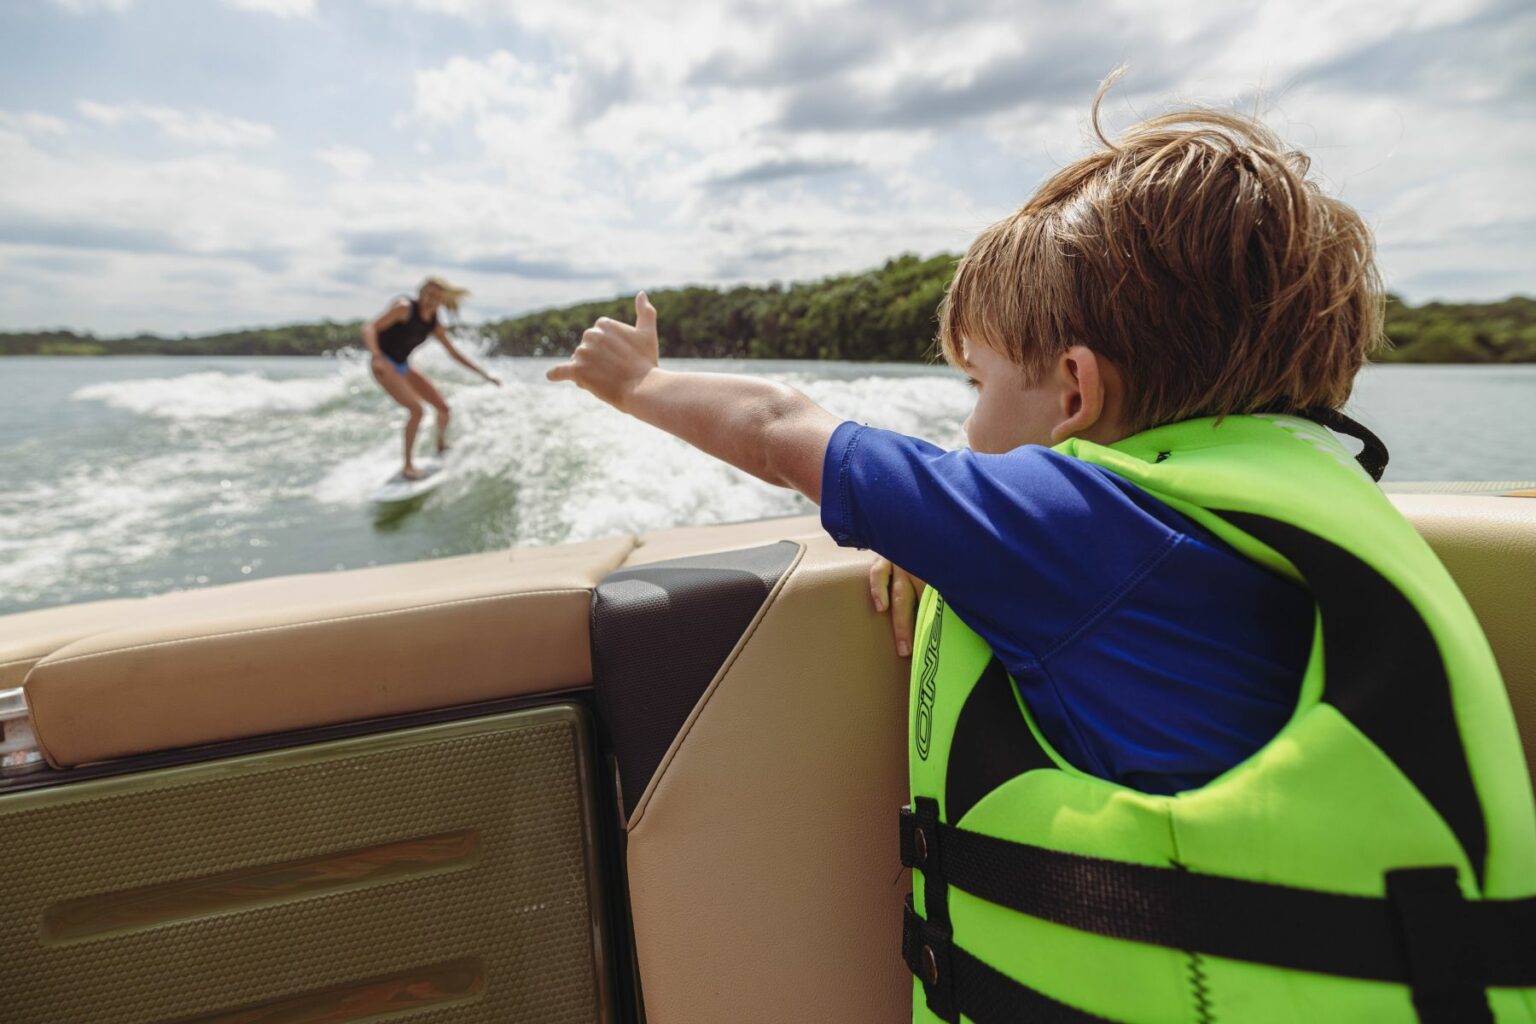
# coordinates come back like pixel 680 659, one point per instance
pixel 613 357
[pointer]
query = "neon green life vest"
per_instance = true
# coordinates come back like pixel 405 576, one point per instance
pixel 1374 861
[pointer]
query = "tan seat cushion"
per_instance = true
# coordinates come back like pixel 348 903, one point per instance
pixel 28 637
pixel 128 677
pixel 1489 546
pixel 683 541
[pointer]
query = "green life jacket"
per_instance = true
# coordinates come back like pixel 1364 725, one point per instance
pixel 1374 861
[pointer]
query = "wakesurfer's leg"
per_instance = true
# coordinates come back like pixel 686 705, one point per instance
pixel 411 426
pixel 395 386
pixel 429 394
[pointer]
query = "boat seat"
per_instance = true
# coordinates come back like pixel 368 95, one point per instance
pixel 101 654
pixel 111 679
pixel 1489 545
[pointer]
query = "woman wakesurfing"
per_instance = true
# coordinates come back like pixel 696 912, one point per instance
pixel 399 332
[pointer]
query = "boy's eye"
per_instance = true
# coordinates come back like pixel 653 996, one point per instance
pixel 972 382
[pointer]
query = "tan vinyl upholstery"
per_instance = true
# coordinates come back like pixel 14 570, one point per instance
pixel 1489 545
pixel 683 541
pixel 230 662
pixel 764 875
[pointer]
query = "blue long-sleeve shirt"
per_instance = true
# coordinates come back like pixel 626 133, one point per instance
pixel 1149 652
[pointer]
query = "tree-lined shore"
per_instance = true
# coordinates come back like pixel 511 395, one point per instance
pixel 884 314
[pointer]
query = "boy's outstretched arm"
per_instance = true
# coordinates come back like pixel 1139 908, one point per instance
pixel 770 430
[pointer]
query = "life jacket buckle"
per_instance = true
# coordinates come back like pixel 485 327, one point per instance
pixel 926 947
pixel 920 838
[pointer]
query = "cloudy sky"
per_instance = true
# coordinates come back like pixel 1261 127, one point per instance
pixel 187 165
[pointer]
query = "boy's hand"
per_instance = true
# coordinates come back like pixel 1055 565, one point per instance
pixel 895 588
pixel 759 426
pixel 613 358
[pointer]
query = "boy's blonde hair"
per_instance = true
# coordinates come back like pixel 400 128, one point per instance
pixel 1194 254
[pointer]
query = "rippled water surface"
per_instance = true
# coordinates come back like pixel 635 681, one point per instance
pixel 132 476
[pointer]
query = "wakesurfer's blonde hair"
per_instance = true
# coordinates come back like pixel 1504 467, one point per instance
pixel 452 293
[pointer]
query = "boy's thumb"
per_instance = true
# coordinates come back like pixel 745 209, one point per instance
pixel 645 313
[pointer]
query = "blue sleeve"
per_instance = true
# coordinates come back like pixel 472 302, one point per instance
pixel 1025 546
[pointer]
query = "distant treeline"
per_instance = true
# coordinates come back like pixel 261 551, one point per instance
pixel 1462 332
pixel 289 340
pixel 885 314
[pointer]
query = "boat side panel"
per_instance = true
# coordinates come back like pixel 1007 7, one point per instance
pixel 449 868
pixel 660 633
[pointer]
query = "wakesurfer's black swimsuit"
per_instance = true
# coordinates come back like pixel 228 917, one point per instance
pixel 398 341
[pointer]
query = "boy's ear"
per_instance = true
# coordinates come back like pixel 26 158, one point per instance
pixel 1079 376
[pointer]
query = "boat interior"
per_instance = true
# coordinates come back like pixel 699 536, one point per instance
pixel 640 778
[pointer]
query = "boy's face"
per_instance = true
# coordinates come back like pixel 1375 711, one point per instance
pixel 1010 410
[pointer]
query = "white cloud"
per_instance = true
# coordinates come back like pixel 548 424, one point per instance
pixel 32 123
pixel 347 161
pixel 199 128
pixel 86 6
pixel 152 225
pixel 584 147
pixel 465 85
pixel 279 8
pixel 185 202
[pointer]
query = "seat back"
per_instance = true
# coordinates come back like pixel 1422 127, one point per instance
pixel 1489 546
pixel 764 876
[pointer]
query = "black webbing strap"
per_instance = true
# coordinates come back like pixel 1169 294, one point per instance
pixel 936 966
pixel 1373 455
pixel 982 993
pixel 1390 939
pixel 1428 903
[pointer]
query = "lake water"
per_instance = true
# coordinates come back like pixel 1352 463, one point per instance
pixel 134 476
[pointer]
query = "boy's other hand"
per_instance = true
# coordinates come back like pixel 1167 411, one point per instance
pixel 613 358
pixel 893 588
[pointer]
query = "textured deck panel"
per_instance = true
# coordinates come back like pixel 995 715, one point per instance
pixel 441 873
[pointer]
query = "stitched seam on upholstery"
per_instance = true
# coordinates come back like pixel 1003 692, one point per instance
pixel 1109 602
pixel 709 691
pixel 311 623
pixel 22 661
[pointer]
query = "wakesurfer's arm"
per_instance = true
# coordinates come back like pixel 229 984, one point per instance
pixel 461 358
pixel 391 316
pixel 769 430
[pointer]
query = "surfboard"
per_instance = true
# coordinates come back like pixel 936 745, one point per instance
pixel 397 488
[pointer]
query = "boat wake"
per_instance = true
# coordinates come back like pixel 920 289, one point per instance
pixel 215 395
pixel 218 475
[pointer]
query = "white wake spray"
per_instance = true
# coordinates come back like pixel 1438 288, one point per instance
pixel 216 475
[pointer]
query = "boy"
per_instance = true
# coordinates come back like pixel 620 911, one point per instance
pixel 1191 639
